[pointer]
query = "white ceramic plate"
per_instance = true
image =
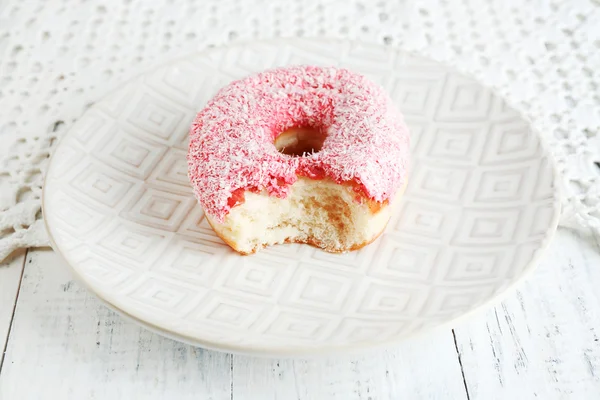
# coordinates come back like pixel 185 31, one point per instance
pixel 480 206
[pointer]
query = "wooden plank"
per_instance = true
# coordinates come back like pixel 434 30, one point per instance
pixel 65 344
pixel 422 368
pixel 543 341
pixel 10 278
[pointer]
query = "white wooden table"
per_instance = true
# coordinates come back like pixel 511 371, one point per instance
pixel 541 342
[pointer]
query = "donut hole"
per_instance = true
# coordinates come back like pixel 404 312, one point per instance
pixel 298 142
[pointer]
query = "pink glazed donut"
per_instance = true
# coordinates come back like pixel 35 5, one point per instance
pixel 301 154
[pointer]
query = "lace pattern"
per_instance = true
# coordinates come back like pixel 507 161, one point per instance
pixel 59 57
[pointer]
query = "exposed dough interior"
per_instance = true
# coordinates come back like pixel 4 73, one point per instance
pixel 319 212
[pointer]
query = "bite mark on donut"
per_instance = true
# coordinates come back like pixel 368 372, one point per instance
pixel 321 213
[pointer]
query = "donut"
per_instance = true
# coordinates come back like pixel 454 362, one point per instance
pixel 301 154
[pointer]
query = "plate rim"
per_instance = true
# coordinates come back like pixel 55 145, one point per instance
pixel 299 351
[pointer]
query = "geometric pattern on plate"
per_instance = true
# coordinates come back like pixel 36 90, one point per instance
pixel 480 205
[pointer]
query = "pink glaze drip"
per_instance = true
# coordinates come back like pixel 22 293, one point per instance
pixel 231 140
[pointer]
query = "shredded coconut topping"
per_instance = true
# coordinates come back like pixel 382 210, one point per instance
pixel 231 140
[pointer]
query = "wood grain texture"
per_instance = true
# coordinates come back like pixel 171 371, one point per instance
pixel 542 342
pixel 10 277
pixel 73 347
pixel 423 368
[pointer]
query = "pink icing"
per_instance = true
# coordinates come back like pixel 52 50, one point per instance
pixel 231 140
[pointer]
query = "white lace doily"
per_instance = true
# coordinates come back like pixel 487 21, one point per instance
pixel 58 57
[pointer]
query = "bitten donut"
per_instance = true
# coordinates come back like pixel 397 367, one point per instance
pixel 301 154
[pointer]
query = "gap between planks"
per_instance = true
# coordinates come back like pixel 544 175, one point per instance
pixel 462 370
pixel 543 340
pixel 11 275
